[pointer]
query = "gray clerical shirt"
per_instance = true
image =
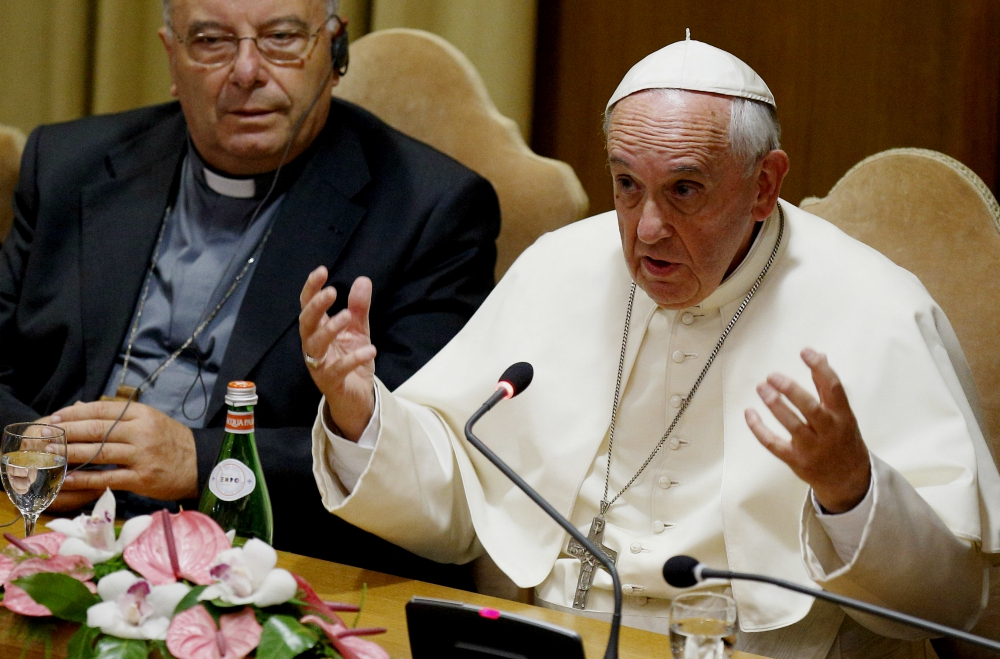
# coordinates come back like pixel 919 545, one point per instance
pixel 207 240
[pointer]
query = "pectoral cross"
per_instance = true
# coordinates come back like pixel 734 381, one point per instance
pixel 588 561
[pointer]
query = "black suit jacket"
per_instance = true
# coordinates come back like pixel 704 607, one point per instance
pixel 369 201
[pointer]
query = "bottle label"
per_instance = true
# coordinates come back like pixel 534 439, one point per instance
pixel 240 423
pixel 231 480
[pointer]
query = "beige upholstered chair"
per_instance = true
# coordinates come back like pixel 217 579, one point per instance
pixel 11 145
pixel 936 218
pixel 422 85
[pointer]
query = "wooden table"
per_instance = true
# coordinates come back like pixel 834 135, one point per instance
pixel 387 595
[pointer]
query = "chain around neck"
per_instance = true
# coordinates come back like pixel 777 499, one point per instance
pixel 686 401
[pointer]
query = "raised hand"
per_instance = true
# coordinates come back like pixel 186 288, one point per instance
pixel 339 351
pixel 825 449
pixel 154 454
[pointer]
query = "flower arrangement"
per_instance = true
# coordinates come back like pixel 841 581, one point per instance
pixel 172 586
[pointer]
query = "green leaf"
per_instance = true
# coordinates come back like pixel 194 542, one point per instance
pixel 81 644
pixel 222 604
pixel 161 647
pixel 112 647
pixel 189 600
pixel 284 637
pixel 361 605
pixel 63 595
pixel 113 564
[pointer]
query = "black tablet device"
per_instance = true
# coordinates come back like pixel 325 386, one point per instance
pixel 440 629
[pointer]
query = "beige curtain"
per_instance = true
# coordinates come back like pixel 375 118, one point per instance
pixel 497 35
pixel 63 59
pixel 130 67
pixel 358 15
pixel 44 61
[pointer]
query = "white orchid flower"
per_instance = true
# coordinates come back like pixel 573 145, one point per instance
pixel 93 536
pixel 131 608
pixel 246 575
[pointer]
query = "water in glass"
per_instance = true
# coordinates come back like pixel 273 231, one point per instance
pixel 702 626
pixel 32 467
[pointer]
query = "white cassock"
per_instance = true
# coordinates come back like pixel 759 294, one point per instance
pixel 915 544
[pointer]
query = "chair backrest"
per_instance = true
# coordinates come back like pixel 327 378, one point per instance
pixel 11 145
pixel 425 87
pixel 933 216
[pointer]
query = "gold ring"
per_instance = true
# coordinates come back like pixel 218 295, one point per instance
pixel 311 362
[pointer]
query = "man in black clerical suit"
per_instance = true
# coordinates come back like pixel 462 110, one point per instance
pixel 130 230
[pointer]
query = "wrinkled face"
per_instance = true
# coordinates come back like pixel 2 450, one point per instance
pixel 685 207
pixel 241 115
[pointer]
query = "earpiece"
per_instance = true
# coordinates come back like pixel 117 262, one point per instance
pixel 339 53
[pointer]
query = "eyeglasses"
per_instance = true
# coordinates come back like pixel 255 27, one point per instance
pixel 214 47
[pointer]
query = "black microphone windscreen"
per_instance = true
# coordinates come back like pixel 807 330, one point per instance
pixel 679 571
pixel 518 376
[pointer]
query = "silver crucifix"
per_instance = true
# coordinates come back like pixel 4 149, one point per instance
pixel 588 562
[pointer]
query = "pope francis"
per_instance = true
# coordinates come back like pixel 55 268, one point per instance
pixel 674 342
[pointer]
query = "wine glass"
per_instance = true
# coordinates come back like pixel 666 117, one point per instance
pixel 32 467
pixel 702 626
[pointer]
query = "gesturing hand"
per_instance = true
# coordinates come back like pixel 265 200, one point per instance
pixel 155 454
pixel 826 451
pixel 342 346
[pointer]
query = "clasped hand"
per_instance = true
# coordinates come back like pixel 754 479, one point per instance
pixel 825 449
pixel 342 345
pixel 154 455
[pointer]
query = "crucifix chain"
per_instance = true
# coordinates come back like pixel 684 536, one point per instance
pixel 588 562
pixel 686 401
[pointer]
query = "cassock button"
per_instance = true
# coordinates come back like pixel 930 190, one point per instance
pixel 687 318
pixel 635 548
pixel 674 443
pixel 665 482
pixel 678 357
pixel 627 589
pixel 640 600
pixel 676 400
pixel 658 526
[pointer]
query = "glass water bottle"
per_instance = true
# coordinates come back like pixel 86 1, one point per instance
pixel 236 496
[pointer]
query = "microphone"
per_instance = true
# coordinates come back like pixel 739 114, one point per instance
pixel 684 572
pixel 516 379
pixel 513 381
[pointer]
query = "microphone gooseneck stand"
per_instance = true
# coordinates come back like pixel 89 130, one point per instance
pixel 510 390
pixel 684 571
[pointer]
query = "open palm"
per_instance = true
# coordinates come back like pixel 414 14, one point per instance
pixel 342 345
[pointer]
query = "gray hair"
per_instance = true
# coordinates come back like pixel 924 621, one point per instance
pixel 331 9
pixel 754 130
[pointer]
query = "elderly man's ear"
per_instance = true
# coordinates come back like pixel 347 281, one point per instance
pixel 773 169
pixel 168 45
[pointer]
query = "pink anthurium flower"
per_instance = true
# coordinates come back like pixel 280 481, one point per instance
pixel 131 608
pixel 18 601
pixel 347 641
pixel 44 545
pixel 174 547
pixel 93 536
pixel 193 634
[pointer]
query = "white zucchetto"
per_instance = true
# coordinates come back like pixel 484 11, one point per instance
pixel 694 66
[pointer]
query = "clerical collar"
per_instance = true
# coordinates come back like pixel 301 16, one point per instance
pixel 739 281
pixel 243 187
